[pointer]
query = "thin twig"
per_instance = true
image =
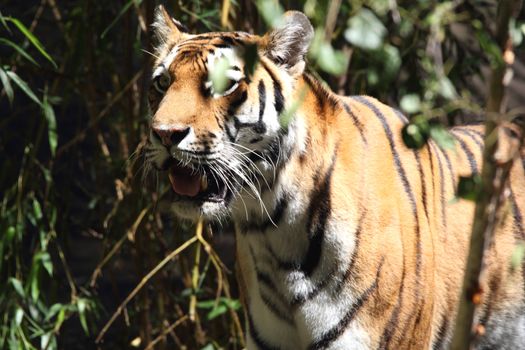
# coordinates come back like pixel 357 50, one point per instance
pixel 82 134
pixel 142 283
pixel 129 233
pixel 166 331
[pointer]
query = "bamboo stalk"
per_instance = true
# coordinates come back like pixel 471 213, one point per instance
pixel 495 173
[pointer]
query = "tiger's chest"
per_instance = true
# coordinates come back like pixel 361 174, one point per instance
pixel 296 284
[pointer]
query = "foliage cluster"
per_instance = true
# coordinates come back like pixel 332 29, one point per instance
pixel 78 227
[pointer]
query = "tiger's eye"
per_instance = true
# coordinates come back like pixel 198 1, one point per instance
pixel 162 82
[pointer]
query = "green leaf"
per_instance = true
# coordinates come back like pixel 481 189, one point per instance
pixel 517 256
pixel 208 347
pixel 391 61
pixel 45 340
pixel 410 103
pixel 515 33
pixel 37 209
pixel 413 136
pixel 33 39
pixel 23 85
pixel 216 311
pixel 206 304
pixel 18 49
pixel 49 114
pixel 19 315
pixel 217 74
pixel 286 116
pixel 440 134
pixel 330 60
pixel 34 280
pixel 53 310
pixel 365 30
pixel 251 58
pixel 17 286
pixel 271 12
pixel 416 133
pixel 380 7
pixel 120 14
pixel 469 187
pixel 81 307
pixel 11 231
pixel 45 260
pixel 7 85
pixel 447 89
pixel 4 23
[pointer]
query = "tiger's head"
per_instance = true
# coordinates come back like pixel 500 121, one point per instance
pixel 217 146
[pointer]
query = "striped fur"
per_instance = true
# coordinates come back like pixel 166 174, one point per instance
pixel 346 239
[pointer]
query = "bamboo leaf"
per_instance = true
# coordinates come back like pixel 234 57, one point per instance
pixel 33 39
pixel 7 85
pixel 4 23
pixel 49 114
pixel 81 307
pixel 120 14
pixel 18 49
pixel 23 85
pixel 19 315
pixel 17 285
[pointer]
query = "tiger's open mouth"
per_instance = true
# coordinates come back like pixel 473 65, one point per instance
pixel 202 186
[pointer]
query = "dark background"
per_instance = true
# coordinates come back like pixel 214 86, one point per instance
pixel 72 126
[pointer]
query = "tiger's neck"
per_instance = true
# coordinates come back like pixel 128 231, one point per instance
pixel 295 162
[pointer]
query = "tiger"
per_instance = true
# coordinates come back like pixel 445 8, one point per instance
pixel 345 237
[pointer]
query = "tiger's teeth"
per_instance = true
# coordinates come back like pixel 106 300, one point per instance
pixel 204 183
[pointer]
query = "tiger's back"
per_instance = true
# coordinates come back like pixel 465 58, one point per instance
pixel 387 239
pixel 346 239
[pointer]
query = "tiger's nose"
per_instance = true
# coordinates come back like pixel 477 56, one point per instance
pixel 169 135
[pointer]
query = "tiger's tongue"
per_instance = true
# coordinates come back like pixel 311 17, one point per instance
pixel 184 182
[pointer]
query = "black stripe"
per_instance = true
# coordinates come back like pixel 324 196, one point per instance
pixel 357 123
pixel 230 134
pixel 470 156
pixel 476 137
pixel 300 299
pixel 235 104
pixel 450 168
pixel 281 263
pixel 329 337
pixel 441 334
pixel 261 343
pixel 276 217
pixel 277 90
pixel 266 280
pixel 318 214
pixel 494 283
pixel 410 194
pixel 522 156
pixel 350 267
pixel 386 337
pixel 261 127
pixel 510 132
pixel 323 95
pixel 401 116
pixel 423 182
pixel 441 183
pixel 518 217
pixel 280 314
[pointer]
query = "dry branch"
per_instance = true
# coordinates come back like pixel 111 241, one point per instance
pixel 142 283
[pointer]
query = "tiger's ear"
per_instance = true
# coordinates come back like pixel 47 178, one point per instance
pixel 166 29
pixel 287 44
